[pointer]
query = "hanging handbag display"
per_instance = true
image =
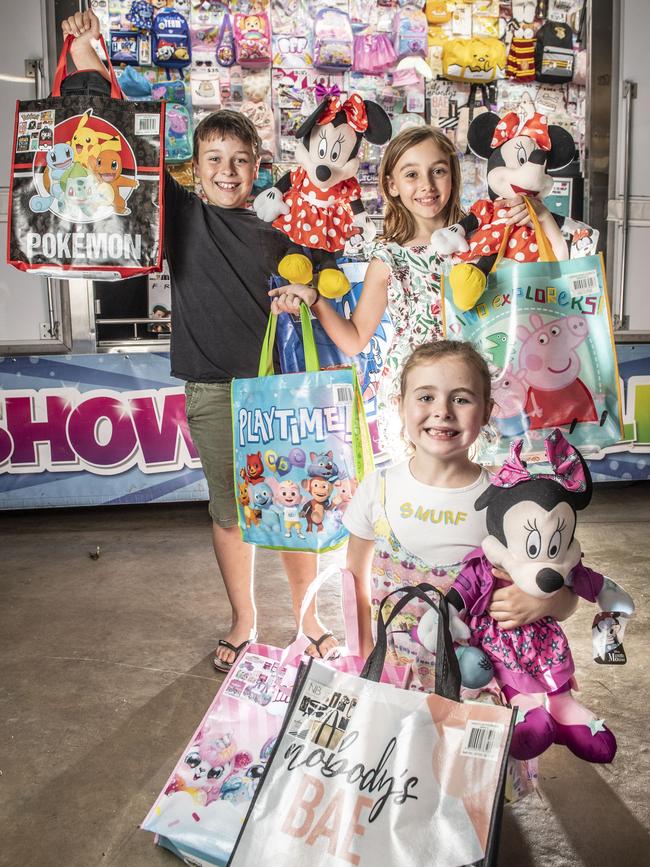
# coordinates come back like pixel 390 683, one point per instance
pixel 86 183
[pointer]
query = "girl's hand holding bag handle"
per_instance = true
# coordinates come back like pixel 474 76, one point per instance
pixel 86 196
pixel 301 445
pixel 368 774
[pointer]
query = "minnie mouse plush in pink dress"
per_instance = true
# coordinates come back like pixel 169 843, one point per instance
pixel 531 519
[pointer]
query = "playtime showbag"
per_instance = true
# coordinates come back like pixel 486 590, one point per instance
pixel 86 185
pixel 369 363
pixel 200 810
pixel 545 329
pixel 297 438
pixel 363 773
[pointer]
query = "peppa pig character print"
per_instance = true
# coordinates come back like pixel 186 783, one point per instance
pixel 509 392
pixel 548 355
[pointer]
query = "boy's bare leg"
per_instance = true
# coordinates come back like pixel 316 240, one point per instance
pixel 236 559
pixel 301 570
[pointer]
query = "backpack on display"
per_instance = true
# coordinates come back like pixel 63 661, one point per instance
pixel 171 40
pixel 554 56
pixel 333 40
pixel 226 43
pixel 178 134
pixel 253 39
pixel 410 32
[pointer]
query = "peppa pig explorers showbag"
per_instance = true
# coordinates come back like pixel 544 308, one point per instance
pixel 301 445
pixel 86 183
pixel 545 330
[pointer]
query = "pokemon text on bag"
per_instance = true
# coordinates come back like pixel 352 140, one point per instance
pixel 301 445
pixel 87 175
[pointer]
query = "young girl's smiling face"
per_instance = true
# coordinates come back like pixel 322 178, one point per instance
pixel 444 407
pixel 422 180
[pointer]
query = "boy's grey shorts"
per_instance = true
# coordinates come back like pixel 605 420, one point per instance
pixel 209 415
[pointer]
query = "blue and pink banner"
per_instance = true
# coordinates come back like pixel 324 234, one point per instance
pixel 94 430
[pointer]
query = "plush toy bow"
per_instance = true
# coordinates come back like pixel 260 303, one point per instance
pixel 354 109
pixel 535 127
pixel 321 91
pixel 565 460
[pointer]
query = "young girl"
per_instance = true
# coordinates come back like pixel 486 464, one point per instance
pixel 415 522
pixel 420 183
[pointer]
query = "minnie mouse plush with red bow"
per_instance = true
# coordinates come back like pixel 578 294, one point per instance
pixel 318 205
pixel 519 152
pixel 531 520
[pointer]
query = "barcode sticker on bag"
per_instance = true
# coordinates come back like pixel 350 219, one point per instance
pixel 343 394
pixel 585 283
pixel 147 124
pixel 482 740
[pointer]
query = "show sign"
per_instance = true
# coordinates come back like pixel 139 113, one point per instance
pixel 94 429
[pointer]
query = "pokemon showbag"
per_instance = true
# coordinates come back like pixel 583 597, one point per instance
pixel 200 810
pixel 363 773
pixel 86 184
pixel 545 330
pixel 297 438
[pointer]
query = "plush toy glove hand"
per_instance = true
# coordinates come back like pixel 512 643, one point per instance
pixel 612 597
pixel 269 205
pixel 449 240
pixel 459 629
pixel 368 229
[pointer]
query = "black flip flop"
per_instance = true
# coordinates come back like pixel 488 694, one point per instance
pixel 333 653
pixel 224 667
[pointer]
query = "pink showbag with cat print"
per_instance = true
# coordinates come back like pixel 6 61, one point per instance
pixel 363 773
pixel 200 810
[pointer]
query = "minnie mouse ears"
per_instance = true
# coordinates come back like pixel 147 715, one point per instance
pixel 366 117
pixel 482 129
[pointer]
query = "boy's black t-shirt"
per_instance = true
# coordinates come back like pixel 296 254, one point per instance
pixel 220 261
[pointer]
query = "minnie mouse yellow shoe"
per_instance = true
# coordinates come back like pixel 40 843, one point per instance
pixel 333 283
pixel 296 268
pixel 467 285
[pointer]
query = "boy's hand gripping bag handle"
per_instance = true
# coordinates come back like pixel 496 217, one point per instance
pixel 312 364
pixel 447 668
pixel 61 69
pixel 546 253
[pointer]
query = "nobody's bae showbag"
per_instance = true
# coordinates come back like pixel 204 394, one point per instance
pixel 301 446
pixel 363 773
pixel 86 184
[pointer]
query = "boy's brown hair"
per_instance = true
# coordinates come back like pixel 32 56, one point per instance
pixel 224 123
pixel 399 225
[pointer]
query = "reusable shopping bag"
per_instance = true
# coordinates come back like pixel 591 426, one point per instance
pixel 86 184
pixel 367 774
pixel 369 363
pixel 299 440
pixel 200 809
pixel 545 329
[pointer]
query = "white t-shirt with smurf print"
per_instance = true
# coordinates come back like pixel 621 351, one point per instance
pixel 438 525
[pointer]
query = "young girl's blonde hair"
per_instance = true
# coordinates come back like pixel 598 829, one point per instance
pixel 399 225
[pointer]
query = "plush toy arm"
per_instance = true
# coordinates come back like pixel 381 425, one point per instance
pixel 460 631
pixel 614 598
pixel 270 204
pixel 452 239
pixel 362 221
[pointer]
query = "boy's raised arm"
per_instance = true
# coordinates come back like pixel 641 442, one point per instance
pixel 84 26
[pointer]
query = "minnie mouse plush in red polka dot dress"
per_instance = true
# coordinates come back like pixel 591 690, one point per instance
pixel 318 205
pixel 519 151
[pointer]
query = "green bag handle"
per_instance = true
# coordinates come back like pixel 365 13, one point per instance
pixel 312 364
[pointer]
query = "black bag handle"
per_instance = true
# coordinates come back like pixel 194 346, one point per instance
pixel 447 668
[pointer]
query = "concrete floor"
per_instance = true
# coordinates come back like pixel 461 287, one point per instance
pixel 105 672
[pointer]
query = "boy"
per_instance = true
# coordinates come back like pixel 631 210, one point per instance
pixel 220 259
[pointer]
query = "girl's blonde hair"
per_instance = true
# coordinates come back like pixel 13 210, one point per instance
pixel 438 349
pixel 399 225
